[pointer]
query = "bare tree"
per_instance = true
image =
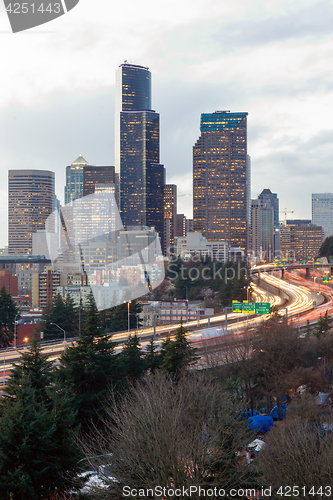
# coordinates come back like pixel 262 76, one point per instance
pixel 299 452
pixel 173 435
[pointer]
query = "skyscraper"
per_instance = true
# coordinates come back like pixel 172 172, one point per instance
pixel 31 200
pixel 322 212
pixel 170 216
pixel 262 231
pixel 270 200
pixel 81 178
pixel 137 167
pixel 74 180
pixel 221 186
pixel 93 176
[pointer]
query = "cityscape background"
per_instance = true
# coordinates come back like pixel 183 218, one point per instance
pixel 270 59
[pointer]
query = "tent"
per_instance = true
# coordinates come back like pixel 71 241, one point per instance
pixel 278 409
pixel 260 423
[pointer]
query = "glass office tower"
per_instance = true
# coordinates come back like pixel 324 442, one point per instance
pixel 95 176
pixel 221 185
pixel 74 180
pixel 31 200
pixel 137 168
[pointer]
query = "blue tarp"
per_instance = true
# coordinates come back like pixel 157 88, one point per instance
pixel 275 412
pixel 247 414
pixel 260 423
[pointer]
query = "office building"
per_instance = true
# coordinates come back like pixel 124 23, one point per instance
pixel 74 180
pixel 322 212
pixel 101 176
pixel 256 229
pixel 262 232
pixel 221 179
pixel 170 216
pixel 181 225
pixel 301 241
pixel 305 241
pixel 81 178
pixel 196 246
pixel 270 200
pixel 30 202
pixel 189 226
pixel 137 168
pixel 155 182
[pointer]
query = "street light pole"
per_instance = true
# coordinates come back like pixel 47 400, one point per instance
pixel 61 330
pixel 137 321
pixel 128 316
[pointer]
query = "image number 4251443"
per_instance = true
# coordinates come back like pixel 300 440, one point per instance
pixel 24 15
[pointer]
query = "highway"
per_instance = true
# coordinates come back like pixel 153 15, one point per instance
pixel 301 295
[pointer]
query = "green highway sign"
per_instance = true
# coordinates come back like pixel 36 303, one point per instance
pixel 237 307
pixel 248 307
pixel 314 303
pixel 262 307
pixel 326 279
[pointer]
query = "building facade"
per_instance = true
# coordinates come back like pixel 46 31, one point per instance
pixel 196 246
pixel 270 200
pixel 31 200
pixel 170 217
pixel 301 241
pixel 94 176
pixel 137 168
pixel 322 212
pixel 221 171
pixel 74 179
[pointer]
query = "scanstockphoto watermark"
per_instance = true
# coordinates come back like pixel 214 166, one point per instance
pixel 195 491
pixel 24 15
pixel 207 273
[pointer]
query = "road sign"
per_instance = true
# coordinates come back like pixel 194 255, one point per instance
pixel 237 307
pixel 248 307
pixel 262 308
pixel 314 303
pixel 326 279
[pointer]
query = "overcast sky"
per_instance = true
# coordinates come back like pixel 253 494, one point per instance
pixel 271 58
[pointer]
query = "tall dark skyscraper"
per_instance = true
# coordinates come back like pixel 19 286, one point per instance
pixel 139 174
pixel 31 200
pixel 93 176
pixel 221 182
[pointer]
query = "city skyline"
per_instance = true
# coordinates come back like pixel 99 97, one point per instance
pixel 271 59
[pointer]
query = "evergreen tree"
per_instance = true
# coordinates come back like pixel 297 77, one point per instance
pixel 326 249
pixel 36 368
pixel 132 359
pixel 89 368
pixel 153 358
pixel 71 317
pixel 177 354
pixel 323 326
pixel 117 317
pixel 38 455
pixel 62 313
pixel 308 329
pixel 8 312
